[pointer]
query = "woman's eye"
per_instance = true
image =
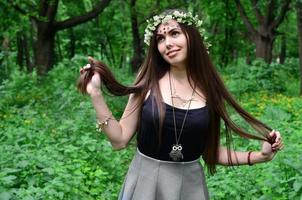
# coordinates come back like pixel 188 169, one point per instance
pixel 175 33
pixel 160 39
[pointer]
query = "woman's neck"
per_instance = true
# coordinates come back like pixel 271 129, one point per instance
pixel 178 73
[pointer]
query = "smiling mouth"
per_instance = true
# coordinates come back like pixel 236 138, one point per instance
pixel 171 52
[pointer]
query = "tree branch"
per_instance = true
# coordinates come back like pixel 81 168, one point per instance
pixel 270 13
pixel 52 10
pixel 83 18
pixel 280 18
pixel 246 20
pixel 257 11
pixel 43 8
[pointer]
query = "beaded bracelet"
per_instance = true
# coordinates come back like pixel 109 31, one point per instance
pixel 249 158
pixel 100 125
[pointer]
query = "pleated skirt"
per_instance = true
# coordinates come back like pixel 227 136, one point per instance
pixel 151 179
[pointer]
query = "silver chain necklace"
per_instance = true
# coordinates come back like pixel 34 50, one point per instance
pixel 176 152
pixel 183 101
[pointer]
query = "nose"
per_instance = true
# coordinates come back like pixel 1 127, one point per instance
pixel 168 42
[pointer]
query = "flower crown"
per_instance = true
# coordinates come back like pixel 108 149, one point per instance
pixel 180 17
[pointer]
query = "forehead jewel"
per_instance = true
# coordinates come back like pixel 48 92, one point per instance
pixel 166 27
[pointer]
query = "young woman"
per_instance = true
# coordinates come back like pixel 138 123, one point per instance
pixel 176 107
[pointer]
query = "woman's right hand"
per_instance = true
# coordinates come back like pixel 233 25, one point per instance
pixel 94 85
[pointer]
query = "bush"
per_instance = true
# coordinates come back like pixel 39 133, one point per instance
pixel 50 150
pixel 242 78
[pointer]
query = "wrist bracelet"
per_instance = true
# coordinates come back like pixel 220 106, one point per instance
pixel 100 125
pixel 249 158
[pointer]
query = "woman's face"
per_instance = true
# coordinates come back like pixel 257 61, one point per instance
pixel 172 43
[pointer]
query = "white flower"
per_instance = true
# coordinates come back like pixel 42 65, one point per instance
pixel 180 17
pixel 177 13
pixel 157 22
pixel 167 18
pixel 156 17
pixel 199 23
pixel 152 28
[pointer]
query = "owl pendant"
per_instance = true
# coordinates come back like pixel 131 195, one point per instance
pixel 176 154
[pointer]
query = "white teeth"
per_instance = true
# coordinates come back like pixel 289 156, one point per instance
pixel 171 52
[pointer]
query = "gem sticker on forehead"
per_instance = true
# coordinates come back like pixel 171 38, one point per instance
pixel 166 27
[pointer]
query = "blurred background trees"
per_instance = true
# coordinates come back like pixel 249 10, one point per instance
pixel 41 33
pixel 38 34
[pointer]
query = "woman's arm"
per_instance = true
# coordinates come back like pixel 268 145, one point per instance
pixel 241 158
pixel 118 133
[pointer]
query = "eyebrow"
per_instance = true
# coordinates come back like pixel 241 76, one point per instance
pixel 159 34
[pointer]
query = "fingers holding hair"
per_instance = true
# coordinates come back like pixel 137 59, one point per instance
pixel 91 60
pixel 87 67
pixel 277 140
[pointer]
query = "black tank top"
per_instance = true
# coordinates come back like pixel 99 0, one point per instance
pixel 193 137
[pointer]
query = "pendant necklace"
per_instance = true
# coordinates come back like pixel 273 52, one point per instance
pixel 176 152
pixel 183 101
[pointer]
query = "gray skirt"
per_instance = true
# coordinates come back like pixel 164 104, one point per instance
pixel 151 179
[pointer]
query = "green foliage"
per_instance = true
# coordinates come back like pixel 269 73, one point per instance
pixel 50 149
pixel 290 31
pixel 262 93
pixel 109 36
pixel 261 76
pixel 225 30
pixel 282 177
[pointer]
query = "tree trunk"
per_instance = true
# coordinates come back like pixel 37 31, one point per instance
pixel 23 54
pixel 230 17
pixel 282 55
pixel 72 40
pixel 268 22
pixel 20 49
pixel 47 26
pixel 299 24
pixel 44 48
pixel 109 51
pixel 5 62
pixel 137 58
pixel 31 45
pixel 58 53
pixel 264 47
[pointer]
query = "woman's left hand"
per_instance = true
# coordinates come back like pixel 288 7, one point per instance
pixel 270 150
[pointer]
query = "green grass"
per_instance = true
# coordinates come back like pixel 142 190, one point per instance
pixel 49 148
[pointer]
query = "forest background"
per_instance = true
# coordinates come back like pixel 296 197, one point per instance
pixel 49 148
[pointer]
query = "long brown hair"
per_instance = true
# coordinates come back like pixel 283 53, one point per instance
pixel 202 72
